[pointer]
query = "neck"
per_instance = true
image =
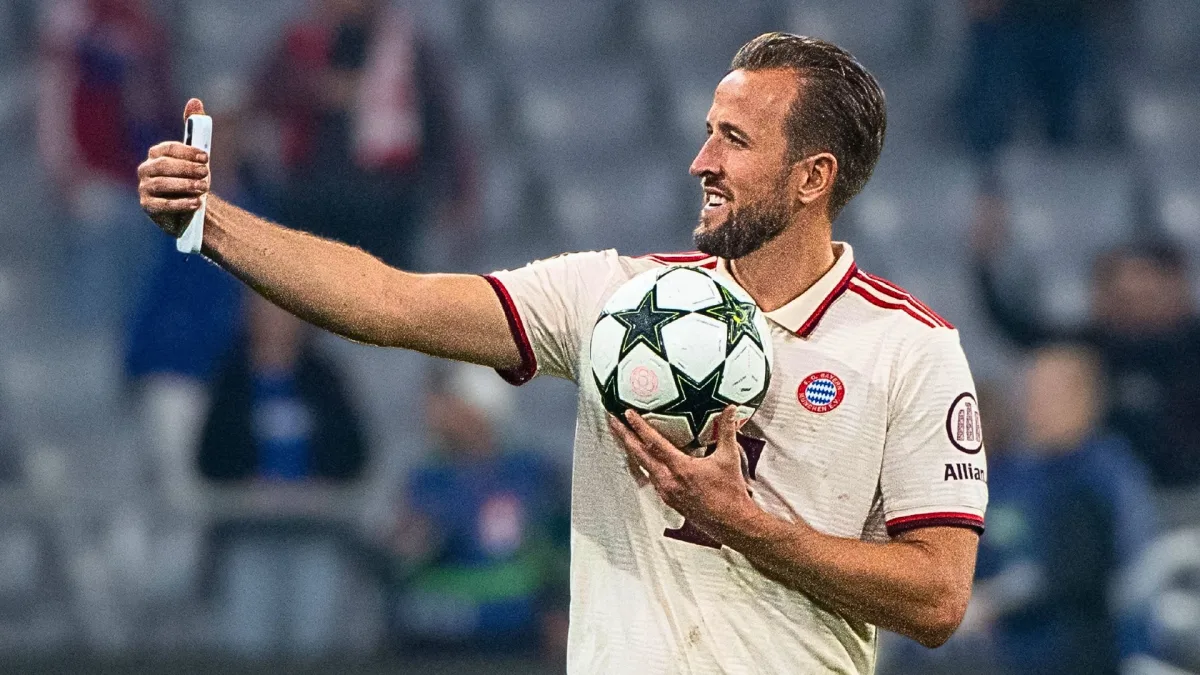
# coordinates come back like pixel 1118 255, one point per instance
pixel 788 265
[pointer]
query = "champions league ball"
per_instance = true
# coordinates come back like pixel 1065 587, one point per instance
pixel 678 345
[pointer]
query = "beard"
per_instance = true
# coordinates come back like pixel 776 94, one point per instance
pixel 744 231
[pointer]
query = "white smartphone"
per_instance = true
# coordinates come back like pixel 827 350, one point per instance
pixel 197 132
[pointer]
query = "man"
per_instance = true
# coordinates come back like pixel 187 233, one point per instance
pixel 860 510
pixel 1077 513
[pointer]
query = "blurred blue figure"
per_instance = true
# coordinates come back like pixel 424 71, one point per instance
pixel 187 313
pixel 1019 51
pixel 280 417
pixel 1069 511
pixel 280 410
pixel 483 544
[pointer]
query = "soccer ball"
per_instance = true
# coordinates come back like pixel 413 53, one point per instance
pixel 678 345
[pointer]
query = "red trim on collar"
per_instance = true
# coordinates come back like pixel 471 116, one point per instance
pixel 811 323
pixel 687 258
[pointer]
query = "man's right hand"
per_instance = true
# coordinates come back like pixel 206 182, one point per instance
pixel 337 287
pixel 172 180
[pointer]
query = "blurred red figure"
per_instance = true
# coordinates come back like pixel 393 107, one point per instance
pixel 104 97
pixel 104 88
pixel 369 139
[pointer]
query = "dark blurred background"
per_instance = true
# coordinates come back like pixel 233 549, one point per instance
pixel 193 481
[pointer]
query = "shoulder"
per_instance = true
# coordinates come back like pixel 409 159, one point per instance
pixel 886 300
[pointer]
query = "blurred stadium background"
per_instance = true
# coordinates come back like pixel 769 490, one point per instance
pixel 149 525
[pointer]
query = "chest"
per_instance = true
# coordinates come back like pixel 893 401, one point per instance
pixel 824 423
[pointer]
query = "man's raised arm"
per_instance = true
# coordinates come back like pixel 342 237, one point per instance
pixel 337 287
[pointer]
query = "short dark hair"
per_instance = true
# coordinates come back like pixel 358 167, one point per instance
pixel 840 108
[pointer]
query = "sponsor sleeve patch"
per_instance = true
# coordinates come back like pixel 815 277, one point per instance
pixel 963 425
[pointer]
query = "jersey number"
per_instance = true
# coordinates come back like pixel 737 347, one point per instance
pixel 751 450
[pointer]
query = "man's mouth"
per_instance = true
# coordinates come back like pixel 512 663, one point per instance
pixel 714 198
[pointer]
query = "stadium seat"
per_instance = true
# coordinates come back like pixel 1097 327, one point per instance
pixel 874 31
pixel 447 23
pixel 918 202
pixel 633 204
pixel 1167 36
pixel 1176 206
pixel 1064 210
pixel 585 113
pixel 479 103
pixel 229 38
pixel 532 31
pixel 1162 122
pixel 701 36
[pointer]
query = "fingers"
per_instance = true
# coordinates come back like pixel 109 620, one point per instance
pixel 194 107
pixel 177 150
pixel 172 168
pixel 656 445
pixel 161 206
pixel 634 448
pixel 164 186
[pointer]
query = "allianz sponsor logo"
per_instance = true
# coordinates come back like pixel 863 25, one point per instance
pixel 963 471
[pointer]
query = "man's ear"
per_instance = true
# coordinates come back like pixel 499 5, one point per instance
pixel 814 177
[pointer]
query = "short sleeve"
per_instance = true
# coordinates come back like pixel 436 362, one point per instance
pixel 549 305
pixel 934 468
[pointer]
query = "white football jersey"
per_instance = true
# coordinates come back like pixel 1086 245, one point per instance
pixel 870 427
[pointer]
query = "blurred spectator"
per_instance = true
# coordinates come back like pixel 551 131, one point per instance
pixel 280 411
pixel 1034 51
pixel 369 136
pixel 104 99
pixel 1068 511
pixel 482 544
pixel 1145 327
pixel 279 415
pixel 187 313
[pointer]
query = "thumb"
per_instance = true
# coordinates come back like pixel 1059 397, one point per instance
pixel 194 107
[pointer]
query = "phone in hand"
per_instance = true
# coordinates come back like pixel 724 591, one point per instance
pixel 197 132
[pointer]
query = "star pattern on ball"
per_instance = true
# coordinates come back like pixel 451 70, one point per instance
pixel 609 396
pixel 697 400
pixel 737 316
pixel 645 323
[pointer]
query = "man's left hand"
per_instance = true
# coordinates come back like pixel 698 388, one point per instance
pixel 710 492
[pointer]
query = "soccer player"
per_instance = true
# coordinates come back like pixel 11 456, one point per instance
pixel 863 488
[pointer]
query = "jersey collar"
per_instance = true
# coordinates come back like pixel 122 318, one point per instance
pixel 802 314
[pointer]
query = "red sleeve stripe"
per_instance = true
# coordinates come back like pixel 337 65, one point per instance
pixel 528 368
pixel 892 290
pixel 941 519
pixel 866 293
pixel 810 325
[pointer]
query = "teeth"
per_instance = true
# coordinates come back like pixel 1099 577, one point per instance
pixel 715 200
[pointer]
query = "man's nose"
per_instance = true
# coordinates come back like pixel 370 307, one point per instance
pixel 705 162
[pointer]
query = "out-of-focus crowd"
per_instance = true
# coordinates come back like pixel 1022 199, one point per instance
pixel 349 124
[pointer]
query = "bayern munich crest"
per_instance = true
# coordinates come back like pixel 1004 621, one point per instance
pixel 821 392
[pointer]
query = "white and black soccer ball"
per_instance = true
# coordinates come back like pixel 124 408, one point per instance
pixel 678 345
